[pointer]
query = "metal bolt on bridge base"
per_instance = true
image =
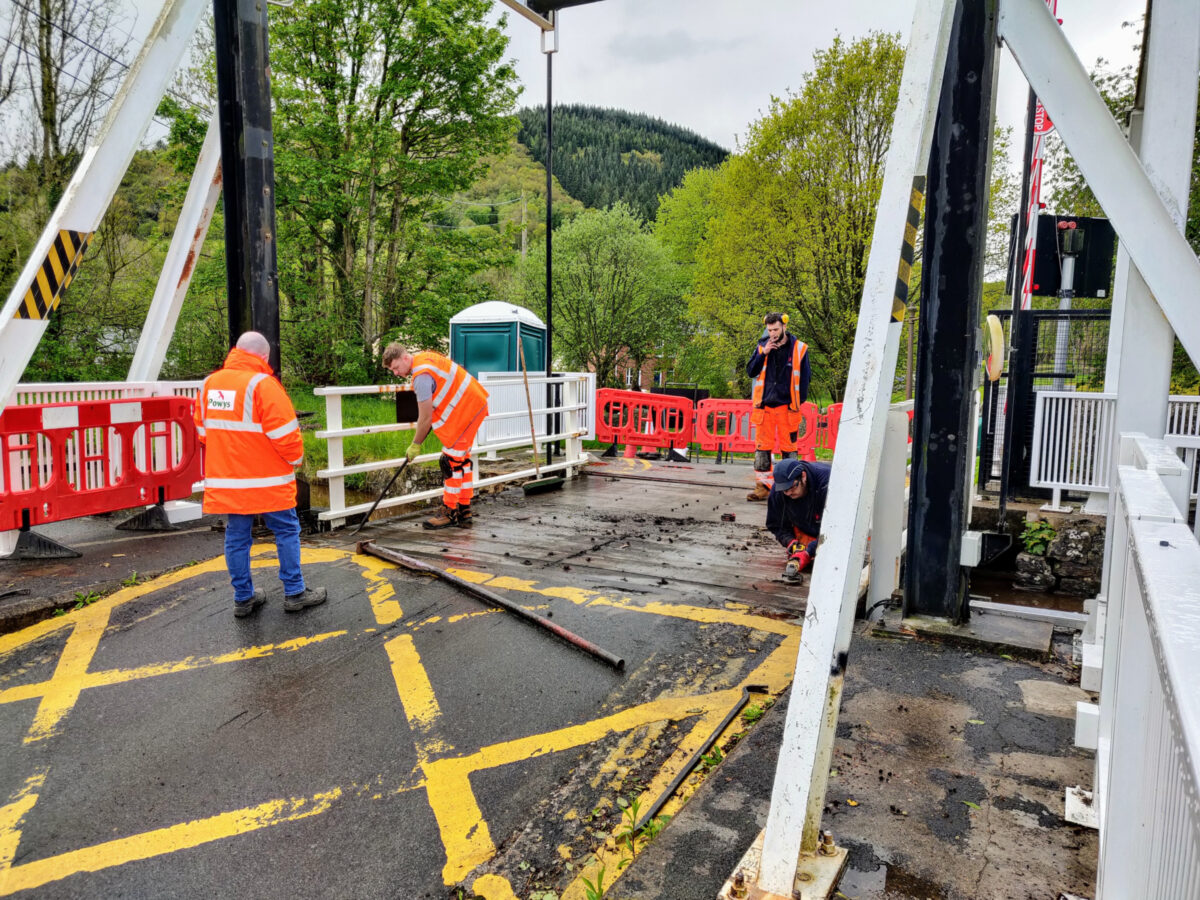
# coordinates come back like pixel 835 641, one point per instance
pixel 817 874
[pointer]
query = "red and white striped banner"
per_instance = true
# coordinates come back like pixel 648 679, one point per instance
pixel 1042 126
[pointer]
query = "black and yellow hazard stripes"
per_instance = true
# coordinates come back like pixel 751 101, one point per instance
pixel 54 274
pixel 908 250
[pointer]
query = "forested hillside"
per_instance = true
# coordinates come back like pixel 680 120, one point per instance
pixel 602 156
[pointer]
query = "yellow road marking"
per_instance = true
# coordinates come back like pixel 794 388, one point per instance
pixel 493 887
pixel 464 830
pixel 102 608
pixel 62 690
pixel 379 590
pixel 416 695
pixel 12 814
pixel 153 670
pixel 583 596
pixel 176 837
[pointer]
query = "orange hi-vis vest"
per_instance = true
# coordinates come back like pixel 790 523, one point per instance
pixel 457 397
pixel 251 436
pixel 756 395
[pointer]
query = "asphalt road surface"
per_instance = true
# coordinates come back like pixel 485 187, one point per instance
pixel 404 739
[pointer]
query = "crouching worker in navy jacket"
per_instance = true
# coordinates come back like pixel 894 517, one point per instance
pixel 252 443
pixel 795 508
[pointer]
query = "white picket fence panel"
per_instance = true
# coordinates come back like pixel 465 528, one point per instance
pixel 1073 439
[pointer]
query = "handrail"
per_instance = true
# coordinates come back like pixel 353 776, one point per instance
pixel 1147 787
pixel 1073 438
pixel 574 412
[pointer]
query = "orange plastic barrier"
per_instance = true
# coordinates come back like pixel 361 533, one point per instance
pixel 724 425
pixel 827 426
pixel 65 460
pixel 643 420
pixel 654 420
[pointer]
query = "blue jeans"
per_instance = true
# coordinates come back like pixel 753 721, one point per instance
pixel 286 527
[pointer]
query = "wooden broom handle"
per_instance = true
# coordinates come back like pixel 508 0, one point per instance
pixel 537 470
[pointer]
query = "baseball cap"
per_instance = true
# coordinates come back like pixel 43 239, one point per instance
pixel 787 472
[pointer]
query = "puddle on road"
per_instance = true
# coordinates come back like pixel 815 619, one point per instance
pixel 887 883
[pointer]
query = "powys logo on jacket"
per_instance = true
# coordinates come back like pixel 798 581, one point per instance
pixel 221 400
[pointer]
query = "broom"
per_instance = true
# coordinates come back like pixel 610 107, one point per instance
pixel 539 485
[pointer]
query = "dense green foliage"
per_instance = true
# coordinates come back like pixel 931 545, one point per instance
pixel 616 293
pixel 381 109
pixel 786 225
pixel 603 156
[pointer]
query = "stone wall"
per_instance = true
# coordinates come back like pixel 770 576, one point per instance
pixel 1072 562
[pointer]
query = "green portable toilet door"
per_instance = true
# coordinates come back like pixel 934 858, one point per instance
pixel 483 347
pixel 534 342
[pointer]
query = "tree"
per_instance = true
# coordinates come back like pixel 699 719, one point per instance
pixel 382 110
pixel 62 61
pixel 791 215
pixel 616 293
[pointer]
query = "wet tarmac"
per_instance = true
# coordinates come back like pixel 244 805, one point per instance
pixel 402 739
pixel 406 740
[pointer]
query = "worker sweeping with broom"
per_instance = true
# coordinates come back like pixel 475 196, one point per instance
pixel 452 405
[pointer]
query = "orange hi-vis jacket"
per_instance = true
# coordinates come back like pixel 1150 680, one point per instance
pixel 457 397
pixel 756 394
pixel 252 438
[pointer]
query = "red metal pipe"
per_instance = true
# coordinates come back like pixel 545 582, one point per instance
pixel 414 565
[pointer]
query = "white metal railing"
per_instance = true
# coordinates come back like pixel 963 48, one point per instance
pixel 574 413
pixel 1073 437
pixel 506 392
pixel 65 392
pixel 1147 787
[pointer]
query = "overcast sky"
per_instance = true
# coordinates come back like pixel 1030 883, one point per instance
pixel 713 65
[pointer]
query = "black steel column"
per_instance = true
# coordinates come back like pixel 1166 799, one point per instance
pixel 951 295
pixel 248 168
pixel 1018 385
pixel 550 419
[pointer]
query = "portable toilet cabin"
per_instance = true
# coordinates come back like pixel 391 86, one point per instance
pixel 483 338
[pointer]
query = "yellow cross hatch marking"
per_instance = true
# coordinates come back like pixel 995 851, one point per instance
pixel 446 778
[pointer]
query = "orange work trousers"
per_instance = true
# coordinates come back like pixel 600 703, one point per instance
pixel 458 485
pixel 776 429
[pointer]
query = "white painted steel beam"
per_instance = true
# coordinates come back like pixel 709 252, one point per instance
pixel 97 177
pixel 190 230
pixel 802 772
pixel 522 10
pixel 1127 194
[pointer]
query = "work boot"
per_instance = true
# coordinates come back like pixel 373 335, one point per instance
pixel 249 607
pixel 447 517
pixel 463 517
pixel 306 598
pixel 759 493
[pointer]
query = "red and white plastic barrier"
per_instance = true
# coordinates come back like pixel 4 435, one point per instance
pixel 637 419
pixel 65 460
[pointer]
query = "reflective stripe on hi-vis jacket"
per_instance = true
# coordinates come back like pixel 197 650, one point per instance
pixel 457 397
pixel 251 437
pixel 799 348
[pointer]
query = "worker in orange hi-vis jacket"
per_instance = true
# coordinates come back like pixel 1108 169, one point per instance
pixel 452 405
pixel 780 369
pixel 252 442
